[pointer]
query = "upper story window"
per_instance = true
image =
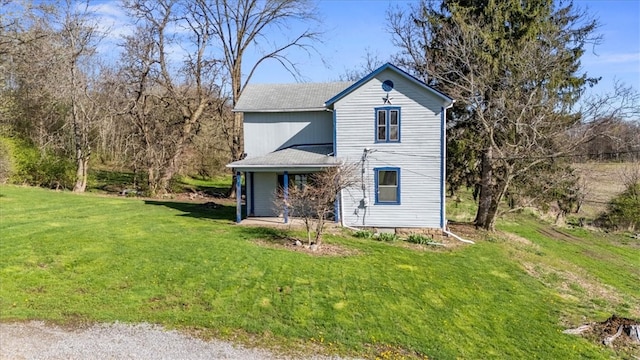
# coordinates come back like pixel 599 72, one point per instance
pixel 388 124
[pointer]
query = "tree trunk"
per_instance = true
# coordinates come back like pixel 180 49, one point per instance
pixel 237 150
pixel 486 189
pixel 236 142
pixel 491 193
pixel 319 228
pixel 82 156
pixel 82 164
pixel 497 195
pixel 152 183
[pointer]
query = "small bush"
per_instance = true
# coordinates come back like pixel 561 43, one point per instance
pixel 388 237
pixel 25 164
pixel 363 234
pixel 6 166
pixel 623 212
pixel 419 239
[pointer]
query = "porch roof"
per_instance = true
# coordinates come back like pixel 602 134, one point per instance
pixel 301 157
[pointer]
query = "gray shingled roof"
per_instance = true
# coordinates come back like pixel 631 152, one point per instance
pixel 298 156
pixel 288 97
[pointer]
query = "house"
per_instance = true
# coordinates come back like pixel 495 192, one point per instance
pixel 389 122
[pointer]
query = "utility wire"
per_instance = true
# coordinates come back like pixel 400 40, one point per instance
pixel 616 153
pixel 406 169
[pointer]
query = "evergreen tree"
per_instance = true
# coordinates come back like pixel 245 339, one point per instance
pixel 514 69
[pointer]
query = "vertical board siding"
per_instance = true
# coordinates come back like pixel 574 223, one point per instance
pixel 418 154
pixel 268 132
pixel 265 185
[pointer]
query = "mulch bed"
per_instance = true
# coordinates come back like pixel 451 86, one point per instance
pixel 324 249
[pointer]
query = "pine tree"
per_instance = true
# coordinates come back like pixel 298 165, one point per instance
pixel 513 67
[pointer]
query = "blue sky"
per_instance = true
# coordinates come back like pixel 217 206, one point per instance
pixel 357 26
pixel 354 27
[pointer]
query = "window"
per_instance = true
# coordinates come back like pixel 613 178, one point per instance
pixel 387 182
pixel 297 180
pixel 388 124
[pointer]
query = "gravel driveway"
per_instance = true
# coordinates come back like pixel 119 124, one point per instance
pixel 36 340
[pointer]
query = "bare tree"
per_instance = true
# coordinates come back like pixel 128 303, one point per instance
pixel 79 36
pixel 314 202
pixel 29 72
pixel 370 63
pixel 611 125
pixel 167 101
pixel 262 27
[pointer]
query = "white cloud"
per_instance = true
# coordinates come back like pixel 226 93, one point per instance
pixel 111 20
pixel 616 58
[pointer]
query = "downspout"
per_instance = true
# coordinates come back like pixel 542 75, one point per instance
pixel 338 211
pixel 443 171
pixel 443 165
pixel 342 224
pixel 457 237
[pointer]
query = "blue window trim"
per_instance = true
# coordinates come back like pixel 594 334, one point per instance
pixel 388 110
pixel 375 176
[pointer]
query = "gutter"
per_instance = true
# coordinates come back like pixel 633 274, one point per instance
pixel 278 110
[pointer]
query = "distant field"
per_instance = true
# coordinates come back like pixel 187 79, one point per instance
pixel 603 182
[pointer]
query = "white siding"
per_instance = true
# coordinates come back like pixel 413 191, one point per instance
pixel 265 185
pixel 418 155
pixel 268 132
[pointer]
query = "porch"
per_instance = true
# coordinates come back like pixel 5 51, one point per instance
pixel 277 171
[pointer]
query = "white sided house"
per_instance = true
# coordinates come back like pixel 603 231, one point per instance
pixel 388 122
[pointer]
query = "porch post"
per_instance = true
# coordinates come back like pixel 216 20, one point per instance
pixel 336 209
pixel 251 194
pixel 238 196
pixel 286 196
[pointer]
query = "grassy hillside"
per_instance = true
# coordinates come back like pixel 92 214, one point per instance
pixel 75 259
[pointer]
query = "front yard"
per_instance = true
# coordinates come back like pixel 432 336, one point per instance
pixel 77 259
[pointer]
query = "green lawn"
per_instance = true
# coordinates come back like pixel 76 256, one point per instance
pixel 73 258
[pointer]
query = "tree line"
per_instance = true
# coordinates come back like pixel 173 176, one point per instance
pixel 65 107
pixel 519 120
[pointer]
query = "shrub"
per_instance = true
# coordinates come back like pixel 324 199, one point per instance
pixel 25 164
pixel 624 210
pixel 388 237
pixel 363 234
pixel 6 167
pixel 418 239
